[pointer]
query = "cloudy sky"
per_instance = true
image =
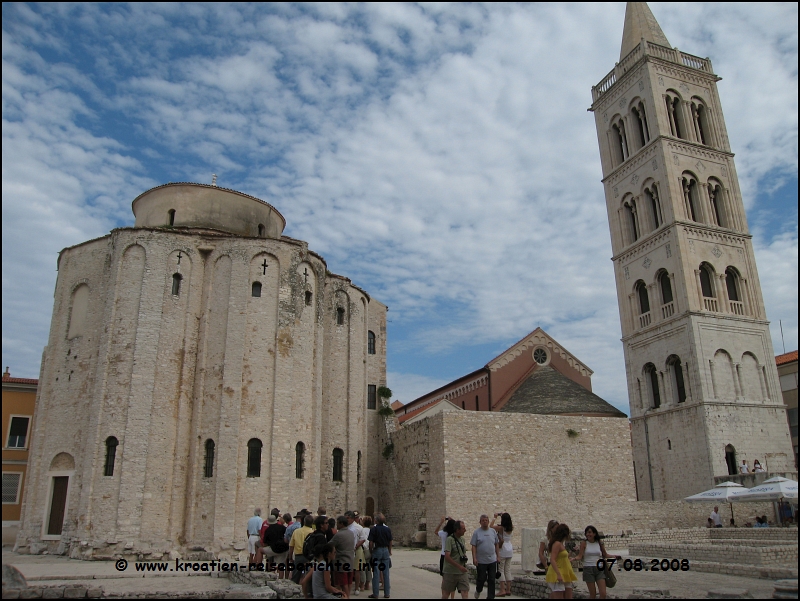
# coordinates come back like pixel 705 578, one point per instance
pixel 441 156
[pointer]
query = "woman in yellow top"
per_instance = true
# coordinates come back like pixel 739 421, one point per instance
pixel 559 574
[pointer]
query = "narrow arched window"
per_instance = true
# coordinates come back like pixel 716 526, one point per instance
pixel 309 297
pixel 675 116
pixel 111 454
pixel 730 460
pixel 261 230
pixel 208 464
pixel 340 316
pixel 463 404
pixel 171 217
pixel 176 284
pixel 730 280
pixel 358 468
pixel 666 288
pixel 338 465
pixel 299 460
pixel 705 282
pixel 256 290
pixel 717 204
pixel 669 444
pixel 677 378
pixel 644 301
pixel 254 458
pixel 629 209
pixel 733 284
pixel 652 376
pixel 372 396
pixel 655 206
pixel 690 198
pixel 371 342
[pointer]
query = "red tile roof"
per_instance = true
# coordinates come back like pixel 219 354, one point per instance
pixel 786 358
pixel 396 405
pixel 10 380
pixel 417 411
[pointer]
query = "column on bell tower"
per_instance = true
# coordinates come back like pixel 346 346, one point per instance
pixel 689 297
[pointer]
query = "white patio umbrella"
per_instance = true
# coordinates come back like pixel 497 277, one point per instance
pixel 720 493
pixel 774 489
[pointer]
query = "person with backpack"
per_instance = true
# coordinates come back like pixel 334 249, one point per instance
pixel 317 537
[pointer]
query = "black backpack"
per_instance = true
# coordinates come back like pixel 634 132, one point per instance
pixel 312 541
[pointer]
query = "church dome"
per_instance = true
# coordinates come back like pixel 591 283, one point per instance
pixel 204 206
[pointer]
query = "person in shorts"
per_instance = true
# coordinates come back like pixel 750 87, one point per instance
pixel 592 551
pixel 455 575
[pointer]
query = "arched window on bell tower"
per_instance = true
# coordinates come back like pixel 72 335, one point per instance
pixel 677 126
pixel 691 196
pixel 733 283
pixel 630 225
pixel 667 300
pixel 717 199
pixel 639 116
pixel 654 202
pixel 701 122
pixel 644 304
pixel 652 384
pixel 707 287
pixel 678 382
pixel 619 141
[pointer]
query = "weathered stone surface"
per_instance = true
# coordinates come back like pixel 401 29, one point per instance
pixel 730 593
pixel 13 578
pixel 227 335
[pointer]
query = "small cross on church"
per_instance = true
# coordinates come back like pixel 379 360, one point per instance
pixel 179 257
pixel 264 267
pixel 305 274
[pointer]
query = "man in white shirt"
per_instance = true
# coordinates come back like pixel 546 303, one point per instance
pixel 354 527
pixel 744 468
pixel 253 531
pixel 715 518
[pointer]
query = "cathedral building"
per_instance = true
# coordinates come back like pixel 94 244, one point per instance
pixel 199 364
pixel 702 382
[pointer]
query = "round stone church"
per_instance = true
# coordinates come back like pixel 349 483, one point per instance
pixel 199 364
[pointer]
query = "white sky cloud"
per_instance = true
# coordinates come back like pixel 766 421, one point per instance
pixel 441 156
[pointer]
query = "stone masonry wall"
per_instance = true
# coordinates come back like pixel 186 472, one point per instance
pixel 164 368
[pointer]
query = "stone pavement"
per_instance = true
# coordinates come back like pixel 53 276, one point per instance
pixel 408 582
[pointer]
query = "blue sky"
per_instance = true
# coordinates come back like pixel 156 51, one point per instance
pixel 440 156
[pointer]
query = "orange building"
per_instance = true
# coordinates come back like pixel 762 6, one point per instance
pixel 19 399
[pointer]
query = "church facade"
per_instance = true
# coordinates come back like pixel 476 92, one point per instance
pixel 702 383
pixel 199 364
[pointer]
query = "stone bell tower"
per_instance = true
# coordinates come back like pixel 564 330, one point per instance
pixel 702 381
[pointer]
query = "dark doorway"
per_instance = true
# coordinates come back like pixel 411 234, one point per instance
pixel 730 459
pixel 58 505
pixel 370 507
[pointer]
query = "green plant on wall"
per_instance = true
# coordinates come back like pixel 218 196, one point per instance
pixel 384 393
pixel 573 433
pixel 388 450
pixel 386 411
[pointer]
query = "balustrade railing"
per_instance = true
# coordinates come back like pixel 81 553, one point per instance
pixel 644 320
pixel 737 307
pixel 672 55
pixel 710 304
pixel 667 310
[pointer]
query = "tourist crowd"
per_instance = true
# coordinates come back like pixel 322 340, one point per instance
pixel 330 558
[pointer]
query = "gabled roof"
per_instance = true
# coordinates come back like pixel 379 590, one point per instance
pixel 786 358
pixel 535 338
pixel 640 23
pixel 546 391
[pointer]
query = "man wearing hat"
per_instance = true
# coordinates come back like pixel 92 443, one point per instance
pixel 292 526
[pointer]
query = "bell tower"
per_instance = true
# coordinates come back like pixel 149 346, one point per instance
pixel 702 381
